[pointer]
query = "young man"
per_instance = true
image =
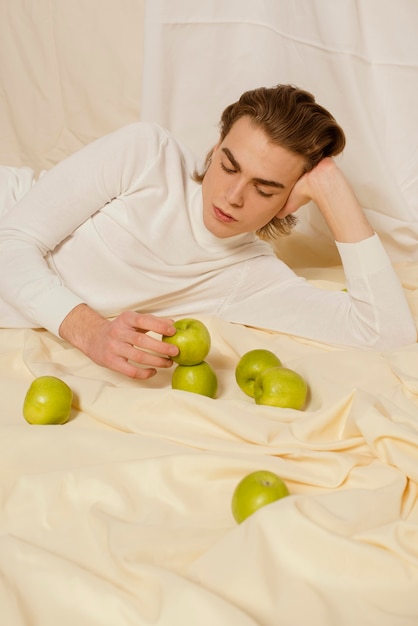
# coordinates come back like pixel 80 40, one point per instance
pixel 126 228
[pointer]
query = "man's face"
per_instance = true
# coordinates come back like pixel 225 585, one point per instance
pixel 248 181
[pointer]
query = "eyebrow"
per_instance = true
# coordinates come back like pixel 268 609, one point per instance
pixel 260 181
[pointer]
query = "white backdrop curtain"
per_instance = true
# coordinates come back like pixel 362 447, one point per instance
pixel 359 58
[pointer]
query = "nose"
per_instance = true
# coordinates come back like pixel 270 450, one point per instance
pixel 235 195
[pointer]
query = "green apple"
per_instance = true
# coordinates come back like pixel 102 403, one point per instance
pixel 254 491
pixel 199 378
pixel 250 365
pixel 47 401
pixel 192 339
pixel 282 387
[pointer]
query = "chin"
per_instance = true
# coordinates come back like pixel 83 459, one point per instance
pixel 220 231
pixel 215 228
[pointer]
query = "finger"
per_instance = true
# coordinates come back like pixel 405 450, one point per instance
pixel 122 332
pixel 144 358
pixel 145 323
pixel 145 342
pixel 123 366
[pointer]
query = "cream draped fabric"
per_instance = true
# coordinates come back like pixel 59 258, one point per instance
pixel 122 515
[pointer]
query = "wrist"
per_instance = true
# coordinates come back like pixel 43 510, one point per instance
pixel 338 204
pixel 79 326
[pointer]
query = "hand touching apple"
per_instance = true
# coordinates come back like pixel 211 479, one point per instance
pixel 192 339
pixel 122 344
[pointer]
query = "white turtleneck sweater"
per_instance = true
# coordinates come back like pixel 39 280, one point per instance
pixel 119 225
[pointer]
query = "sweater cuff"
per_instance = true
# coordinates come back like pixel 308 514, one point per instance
pixel 51 308
pixel 365 257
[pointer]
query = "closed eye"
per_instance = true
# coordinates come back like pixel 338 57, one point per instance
pixel 234 169
pixel 228 170
pixel 263 193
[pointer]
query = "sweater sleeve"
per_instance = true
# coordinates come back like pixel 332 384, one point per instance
pixel 64 198
pixel 373 314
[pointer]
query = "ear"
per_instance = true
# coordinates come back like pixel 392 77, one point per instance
pixel 212 152
pixel 216 146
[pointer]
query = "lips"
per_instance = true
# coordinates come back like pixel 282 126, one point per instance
pixel 223 217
